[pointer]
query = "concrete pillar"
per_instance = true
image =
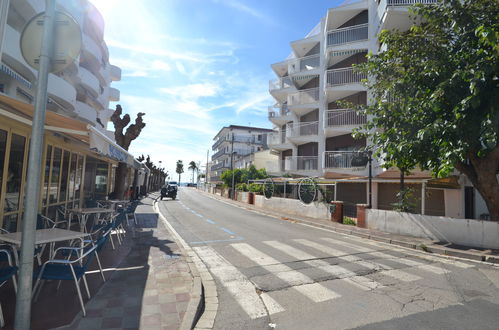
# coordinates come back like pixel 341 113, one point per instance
pixel 336 208
pixel 321 146
pixel 361 215
pixel 4 11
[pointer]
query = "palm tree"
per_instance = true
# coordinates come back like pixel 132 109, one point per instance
pixel 193 167
pixel 180 169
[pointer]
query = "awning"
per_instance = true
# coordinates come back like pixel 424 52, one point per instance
pixel 451 182
pixel 99 142
pixel 103 145
pixel 23 112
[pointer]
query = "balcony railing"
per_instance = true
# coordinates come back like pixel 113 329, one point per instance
pixel 343 76
pixel 284 82
pixel 343 117
pixel 306 63
pixel 345 159
pixel 278 111
pixel 276 138
pixel 218 166
pixel 348 34
pixel 383 4
pixel 409 2
pixel 218 154
pixel 303 129
pixel 218 142
pixel 306 96
pixel 301 163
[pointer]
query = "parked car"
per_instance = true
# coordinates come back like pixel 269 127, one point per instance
pixel 192 185
pixel 169 190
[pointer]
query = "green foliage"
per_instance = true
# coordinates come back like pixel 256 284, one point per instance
pixel 406 201
pixel 434 94
pixel 243 175
pixel 255 187
pixel 349 221
pixel 242 187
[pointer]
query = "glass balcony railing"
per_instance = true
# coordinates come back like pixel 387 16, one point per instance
pixel 343 76
pixel 343 117
pixel 348 34
pixel 307 96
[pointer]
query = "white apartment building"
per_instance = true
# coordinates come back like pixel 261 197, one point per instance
pixel 312 128
pixel 82 91
pixel 234 142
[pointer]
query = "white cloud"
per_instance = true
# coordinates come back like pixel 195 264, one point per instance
pixel 180 67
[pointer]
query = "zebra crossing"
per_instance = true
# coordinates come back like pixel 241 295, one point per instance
pixel 368 261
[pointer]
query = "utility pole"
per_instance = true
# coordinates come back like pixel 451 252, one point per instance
pixel 232 164
pixel 370 155
pixel 206 172
pixel 24 291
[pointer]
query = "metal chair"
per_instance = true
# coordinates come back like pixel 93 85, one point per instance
pixel 67 270
pixel 7 273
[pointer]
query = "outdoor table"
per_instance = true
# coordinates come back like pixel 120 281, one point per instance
pixel 43 236
pixel 83 214
pixel 114 202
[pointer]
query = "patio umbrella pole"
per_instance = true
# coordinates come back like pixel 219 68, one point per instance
pixel 23 300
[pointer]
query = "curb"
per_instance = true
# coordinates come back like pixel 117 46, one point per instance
pixel 203 306
pixel 432 249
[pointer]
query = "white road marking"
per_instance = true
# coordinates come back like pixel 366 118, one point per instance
pixel 404 261
pixel 400 275
pixel 421 255
pixel 299 281
pixel 273 306
pixel 234 281
pixel 361 282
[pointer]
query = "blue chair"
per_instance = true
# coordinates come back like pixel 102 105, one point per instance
pixel 7 273
pixel 68 270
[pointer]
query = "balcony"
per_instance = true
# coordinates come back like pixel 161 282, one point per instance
pixel 90 48
pixel 279 115
pixel 218 154
pixel 347 35
pixel 278 141
pixel 114 94
pixel 218 142
pixel 304 101
pixel 279 88
pixel 86 112
pixel 346 161
pixel 115 73
pixel 394 14
pixel 305 64
pixel 305 132
pixel 218 166
pixel 301 163
pixel 344 76
pixel 342 121
pixel 62 92
pixel 89 81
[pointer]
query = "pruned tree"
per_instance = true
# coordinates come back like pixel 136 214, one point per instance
pixel 434 94
pixel 124 138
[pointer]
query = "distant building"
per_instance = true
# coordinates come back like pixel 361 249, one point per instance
pixel 233 142
pixel 261 159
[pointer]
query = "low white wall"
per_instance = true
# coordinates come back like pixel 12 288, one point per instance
pixel 467 232
pixel 293 207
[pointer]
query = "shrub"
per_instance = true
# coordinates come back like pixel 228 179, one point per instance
pixel 349 221
pixel 242 187
pixel 256 187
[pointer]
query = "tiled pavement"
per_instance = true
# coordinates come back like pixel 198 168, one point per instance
pixel 150 289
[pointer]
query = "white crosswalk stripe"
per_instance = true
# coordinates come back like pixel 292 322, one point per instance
pixel 272 306
pixel 361 282
pixel 420 255
pixel 302 283
pixel 234 281
pixel 372 265
pixel 408 262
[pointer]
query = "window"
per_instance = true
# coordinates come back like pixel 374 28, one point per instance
pixel 64 175
pixel 47 174
pixel 56 173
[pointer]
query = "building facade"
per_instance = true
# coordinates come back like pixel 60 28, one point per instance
pixel 80 155
pixel 232 143
pixel 313 129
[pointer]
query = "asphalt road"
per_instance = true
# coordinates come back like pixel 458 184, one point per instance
pixel 276 273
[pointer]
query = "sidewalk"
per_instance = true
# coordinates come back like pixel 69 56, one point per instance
pixel 150 289
pixel 426 245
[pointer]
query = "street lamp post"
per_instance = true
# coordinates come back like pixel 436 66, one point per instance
pixel 232 165
pixel 24 292
pixel 370 154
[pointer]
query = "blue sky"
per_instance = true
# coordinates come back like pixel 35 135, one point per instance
pixel 194 66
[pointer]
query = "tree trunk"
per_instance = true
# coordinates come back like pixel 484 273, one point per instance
pixel 179 179
pixel 482 172
pixel 119 183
